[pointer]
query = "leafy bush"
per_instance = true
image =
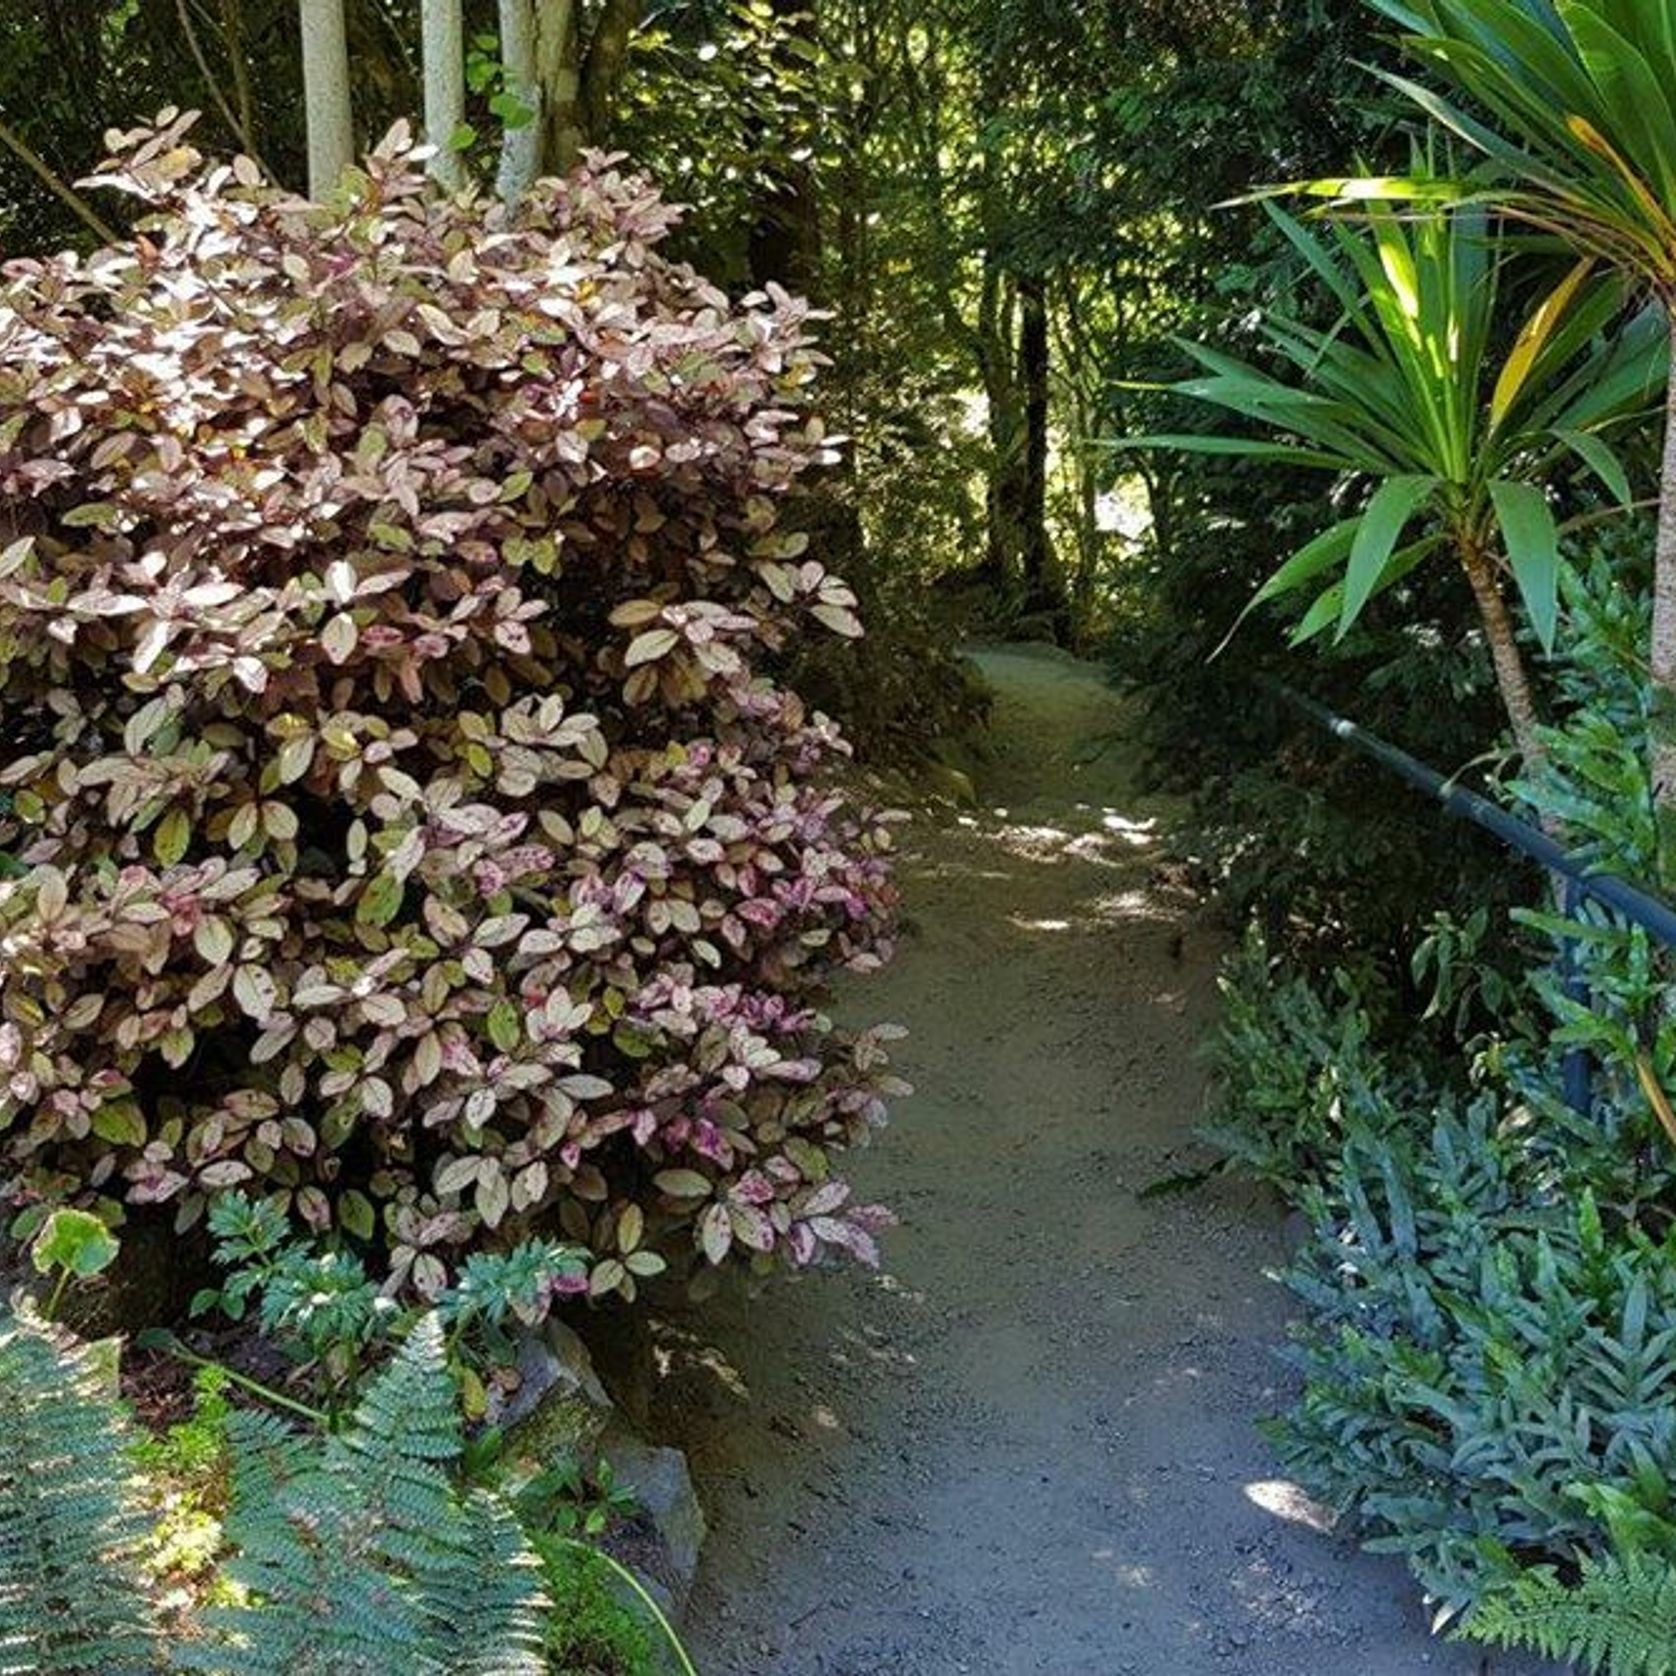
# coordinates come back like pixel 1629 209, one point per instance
pixel 1284 1054
pixel 410 831
pixel 1487 1353
pixel 318 1303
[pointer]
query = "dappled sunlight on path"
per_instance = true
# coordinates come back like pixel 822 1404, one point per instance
pixel 1027 1447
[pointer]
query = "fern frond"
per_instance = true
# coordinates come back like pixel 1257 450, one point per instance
pixel 71 1600
pixel 1618 1619
pixel 359 1557
pixel 487 1580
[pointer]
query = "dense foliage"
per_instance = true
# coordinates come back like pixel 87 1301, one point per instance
pixel 422 856
pixel 387 742
pixel 1489 1277
pixel 361 1552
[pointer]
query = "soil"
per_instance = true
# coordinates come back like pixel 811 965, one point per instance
pixel 1027 1446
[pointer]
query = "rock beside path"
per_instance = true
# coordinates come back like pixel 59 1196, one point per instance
pixel 561 1411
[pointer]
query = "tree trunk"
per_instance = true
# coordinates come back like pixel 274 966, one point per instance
pixel 443 53
pixel 1041 588
pixel 579 72
pixel 232 32
pixel 331 129
pixel 1512 679
pixel 602 69
pixel 1662 727
pixel 520 152
pixel 785 239
pixel 558 65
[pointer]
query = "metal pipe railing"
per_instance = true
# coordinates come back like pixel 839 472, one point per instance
pixel 1578 880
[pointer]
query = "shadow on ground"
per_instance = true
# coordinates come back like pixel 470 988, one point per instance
pixel 1026 1448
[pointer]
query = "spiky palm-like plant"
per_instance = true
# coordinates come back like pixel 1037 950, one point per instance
pixel 1409 396
pixel 1580 142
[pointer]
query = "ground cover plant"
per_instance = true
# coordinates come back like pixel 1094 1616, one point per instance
pixel 235 1542
pixel 1489 1281
pixel 409 830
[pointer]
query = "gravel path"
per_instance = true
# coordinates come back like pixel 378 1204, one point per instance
pixel 1027 1448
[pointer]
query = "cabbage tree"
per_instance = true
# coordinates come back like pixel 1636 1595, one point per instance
pixel 1580 97
pixel 1443 444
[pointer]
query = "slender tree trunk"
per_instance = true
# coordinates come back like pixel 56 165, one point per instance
pixel 520 152
pixel 1041 589
pixel 1004 494
pixel 1662 740
pixel 55 183
pixel 558 60
pixel 331 130
pixel 602 69
pixel 1512 678
pixel 785 242
pixel 443 53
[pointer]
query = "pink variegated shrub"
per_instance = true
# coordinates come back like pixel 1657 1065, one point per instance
pixel 406 824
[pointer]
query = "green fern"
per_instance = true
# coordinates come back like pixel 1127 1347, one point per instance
pixel 361 1558
pixel 70 1596
pixel 1618 1619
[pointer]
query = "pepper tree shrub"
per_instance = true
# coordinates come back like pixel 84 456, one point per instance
pixel 405 828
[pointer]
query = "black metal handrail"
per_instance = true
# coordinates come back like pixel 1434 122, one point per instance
pixel 1578 878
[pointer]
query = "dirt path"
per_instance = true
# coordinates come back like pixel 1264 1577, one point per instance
pixel 1026 1448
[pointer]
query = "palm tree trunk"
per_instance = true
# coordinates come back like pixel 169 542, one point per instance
pixel 1512 678
pixel 1662 725
pixel 331 132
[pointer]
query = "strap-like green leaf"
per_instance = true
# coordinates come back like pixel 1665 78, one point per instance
pixel 1326 550
pixel 1240 447
pixel 1602 461
pixel 1533 552
pixel 1393 505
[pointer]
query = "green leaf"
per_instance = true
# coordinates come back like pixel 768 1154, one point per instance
pixel 1533 551
pixel 1239 447
pixel 1394 504
pixel 120 1122
pixel 381 901
pixel 173 835
pixel 1326 550
pixel 76 1243
pixel 355 1213
pixel 505 1026
pixel 1603 461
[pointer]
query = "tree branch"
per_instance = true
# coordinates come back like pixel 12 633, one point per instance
pixel 213 87
pixel 56 184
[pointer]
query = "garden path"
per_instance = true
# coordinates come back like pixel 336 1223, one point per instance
pixel 1026 1447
